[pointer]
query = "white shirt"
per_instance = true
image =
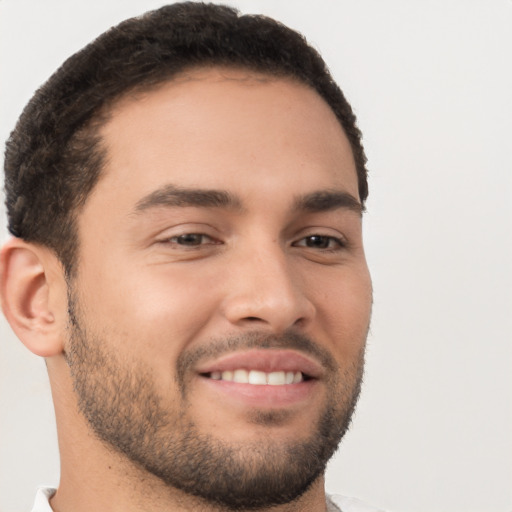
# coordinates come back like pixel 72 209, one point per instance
pixel 344 504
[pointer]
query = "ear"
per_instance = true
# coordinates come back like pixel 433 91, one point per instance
pixel 33 295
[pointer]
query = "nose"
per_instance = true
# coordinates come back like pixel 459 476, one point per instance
pixel 265 290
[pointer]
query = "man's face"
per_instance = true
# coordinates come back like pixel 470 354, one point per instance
pixel 222 300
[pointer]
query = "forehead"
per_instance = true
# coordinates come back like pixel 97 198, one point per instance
pixel 219 128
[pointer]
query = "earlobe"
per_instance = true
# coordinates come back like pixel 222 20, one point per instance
pixel 32 295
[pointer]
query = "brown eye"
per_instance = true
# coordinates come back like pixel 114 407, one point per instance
pixel 320 242
pixel 191 239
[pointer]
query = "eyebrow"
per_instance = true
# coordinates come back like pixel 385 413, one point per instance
pixel 327 200
pixel 170 196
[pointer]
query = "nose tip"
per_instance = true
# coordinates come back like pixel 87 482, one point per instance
pixel 277 317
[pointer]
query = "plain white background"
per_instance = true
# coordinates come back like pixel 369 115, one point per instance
pixel 431 83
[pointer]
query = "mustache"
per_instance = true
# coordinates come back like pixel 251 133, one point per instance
pixel 219 347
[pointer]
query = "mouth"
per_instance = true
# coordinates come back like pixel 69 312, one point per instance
pixel 268 378
pixel 260 367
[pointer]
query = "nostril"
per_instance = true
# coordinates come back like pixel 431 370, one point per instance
pixel 253 319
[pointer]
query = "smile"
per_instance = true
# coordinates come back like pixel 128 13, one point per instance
pixel 258 378
pixel 262 378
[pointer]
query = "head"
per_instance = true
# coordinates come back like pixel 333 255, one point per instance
pixel 199 179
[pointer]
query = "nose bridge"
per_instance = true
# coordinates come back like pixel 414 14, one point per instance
pixel 266 289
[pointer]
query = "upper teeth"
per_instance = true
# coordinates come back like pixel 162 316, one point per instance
pixel 258 378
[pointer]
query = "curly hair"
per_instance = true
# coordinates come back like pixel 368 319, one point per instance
pixel 54 157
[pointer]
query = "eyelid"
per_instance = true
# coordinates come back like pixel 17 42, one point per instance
pixel 186 228
pixel 170 235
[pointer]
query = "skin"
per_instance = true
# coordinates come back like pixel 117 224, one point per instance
pixel 151 298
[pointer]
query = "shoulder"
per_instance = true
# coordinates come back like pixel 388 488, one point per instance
pixel 346 504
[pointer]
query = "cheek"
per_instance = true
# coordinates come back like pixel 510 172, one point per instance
pixel 343 305
pixel 154 313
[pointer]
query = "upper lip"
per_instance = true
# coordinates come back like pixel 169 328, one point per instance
pixel 265 360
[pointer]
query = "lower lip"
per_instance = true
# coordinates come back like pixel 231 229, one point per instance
pixel 266 396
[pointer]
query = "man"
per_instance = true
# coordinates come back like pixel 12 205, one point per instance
pixel 185 198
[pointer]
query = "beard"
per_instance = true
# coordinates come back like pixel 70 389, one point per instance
pixel 124 409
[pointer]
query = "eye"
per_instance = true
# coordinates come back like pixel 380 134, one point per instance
pixel 320 242
pixel 191 239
